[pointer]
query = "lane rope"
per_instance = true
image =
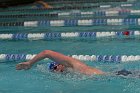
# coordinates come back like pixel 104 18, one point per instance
pixel 69 35
pixel 77 22
pixel 87 1
pixel 97 58
pixel 102 13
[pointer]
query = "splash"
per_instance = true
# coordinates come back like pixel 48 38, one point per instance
pixel 69 75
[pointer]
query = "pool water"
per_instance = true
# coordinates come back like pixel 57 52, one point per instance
pixel 39 79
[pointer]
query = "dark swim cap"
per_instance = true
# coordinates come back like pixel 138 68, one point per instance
pixel 52 65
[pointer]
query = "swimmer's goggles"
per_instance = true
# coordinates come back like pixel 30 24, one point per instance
pixel 53 66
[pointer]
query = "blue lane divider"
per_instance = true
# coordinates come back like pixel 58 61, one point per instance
pixel 71 23
pixel 50 36
pixel 87 34
pixel 103 13
pixel 75 22
pixel 98 58
pixel 87 1
pixel 15 57
pixel 64 35
pixel 44 23
pixel 20 36
pixel 130 21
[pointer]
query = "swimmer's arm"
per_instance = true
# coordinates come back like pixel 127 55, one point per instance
pixel 65 60
pixel 54 56
pixel 46 5
pixel 61 59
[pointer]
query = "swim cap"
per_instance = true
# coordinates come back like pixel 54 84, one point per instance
pixel 52 65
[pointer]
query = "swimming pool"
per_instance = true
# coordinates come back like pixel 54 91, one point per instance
pixel 40 80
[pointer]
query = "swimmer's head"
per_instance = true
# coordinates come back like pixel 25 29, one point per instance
pixel 54 66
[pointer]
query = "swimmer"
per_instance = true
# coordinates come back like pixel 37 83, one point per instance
pixel 61 62
pixel 9 3
pixel 45 4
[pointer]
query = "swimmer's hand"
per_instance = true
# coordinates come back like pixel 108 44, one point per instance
pixel 24 65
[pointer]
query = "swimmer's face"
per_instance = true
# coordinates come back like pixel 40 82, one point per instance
pixel 59 68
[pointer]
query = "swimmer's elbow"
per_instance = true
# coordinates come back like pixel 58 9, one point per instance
pixel 46 52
